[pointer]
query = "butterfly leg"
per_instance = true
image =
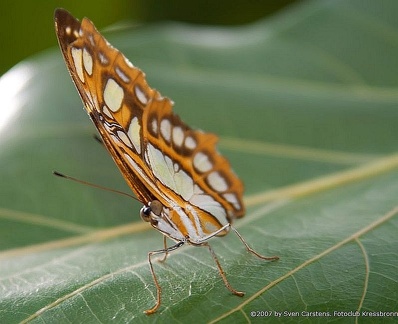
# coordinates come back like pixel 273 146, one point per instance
pixel 248 248
pixel 221 271
pixel 165 247
pixel 158 288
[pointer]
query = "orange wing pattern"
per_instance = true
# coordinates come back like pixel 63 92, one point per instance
pixel 160 157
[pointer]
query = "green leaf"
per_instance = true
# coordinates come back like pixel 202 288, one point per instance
pixel 305 104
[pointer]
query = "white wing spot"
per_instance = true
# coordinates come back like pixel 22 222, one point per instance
pixel 88 62
pixel 124 138
pixel 231 198
pixel 178 135
pixel 134 134
pixel 164 170
pixel 115 138
pixel 103 59
pixel 183 184
pixel 106 112
pixel 140 94
pixel 217 182
pixel 201 162
pixel 113 95
pixel 68 30
pixel 208 204
pixel 154 125
pixel 91 39
pixel 165 129
pixel 190 143
pixel 77 61
pixel 122 75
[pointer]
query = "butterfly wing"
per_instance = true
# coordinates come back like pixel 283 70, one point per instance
pixel 93 73
pixel 159 156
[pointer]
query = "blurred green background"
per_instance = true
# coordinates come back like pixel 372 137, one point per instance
pixel 27 26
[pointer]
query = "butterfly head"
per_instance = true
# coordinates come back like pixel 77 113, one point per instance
pixel 161 218
pixel 152 212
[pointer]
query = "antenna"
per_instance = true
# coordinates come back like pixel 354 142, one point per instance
pixel 61 175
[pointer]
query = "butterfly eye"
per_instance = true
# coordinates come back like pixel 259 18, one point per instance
pixel 149 213
pixel 145 213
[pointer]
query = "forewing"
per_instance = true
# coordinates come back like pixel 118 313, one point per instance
pixel 159 156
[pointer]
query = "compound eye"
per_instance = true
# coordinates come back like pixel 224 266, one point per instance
pixel 145 213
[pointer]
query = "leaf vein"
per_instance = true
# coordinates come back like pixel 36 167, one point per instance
pixel 367 271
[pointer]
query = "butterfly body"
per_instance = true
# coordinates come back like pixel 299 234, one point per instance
pixel 188 189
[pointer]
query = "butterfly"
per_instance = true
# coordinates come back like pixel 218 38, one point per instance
pixel 188 190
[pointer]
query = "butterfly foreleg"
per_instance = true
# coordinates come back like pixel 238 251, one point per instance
pixel 155 280
pixel 165 248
